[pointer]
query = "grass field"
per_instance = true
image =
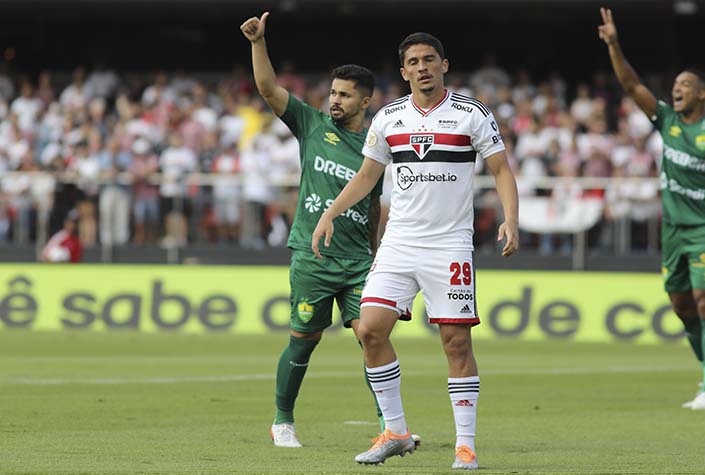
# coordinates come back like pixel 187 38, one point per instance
pixel 96 403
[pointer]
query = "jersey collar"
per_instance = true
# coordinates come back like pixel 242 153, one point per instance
pixel 428 112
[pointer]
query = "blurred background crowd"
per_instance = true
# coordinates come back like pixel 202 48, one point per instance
pixel 171 157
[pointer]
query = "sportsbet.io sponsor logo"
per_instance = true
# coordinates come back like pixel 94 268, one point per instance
pixel 313 203
pixel 406 177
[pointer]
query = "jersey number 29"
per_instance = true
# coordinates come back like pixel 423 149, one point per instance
pixel 457 269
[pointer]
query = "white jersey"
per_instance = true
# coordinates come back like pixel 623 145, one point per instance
pixel 433 154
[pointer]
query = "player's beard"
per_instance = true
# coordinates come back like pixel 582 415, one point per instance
pixel 341 117
pixel 337 113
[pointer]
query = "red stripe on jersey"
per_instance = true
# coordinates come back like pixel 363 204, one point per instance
pixel 459 321
pixel 440 139
pixel 391 303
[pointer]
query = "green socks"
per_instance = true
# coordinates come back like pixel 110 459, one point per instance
pixel 290 374
pixel 374 397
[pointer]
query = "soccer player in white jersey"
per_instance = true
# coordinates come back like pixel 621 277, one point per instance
pixel 432 139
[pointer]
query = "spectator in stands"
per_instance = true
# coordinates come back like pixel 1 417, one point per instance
pixel 76 95
pixel 7 88
pixel 64 246
pixel 145 195
pixel 227 192
pixel 85 168
pixel 114 200
pixel 176 162
pixel 102 81
pixel 27 107
pixel 45 90
pixel 258 192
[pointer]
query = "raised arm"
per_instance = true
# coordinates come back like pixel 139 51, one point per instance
pixel 626 75
pixel 266 79
pixel 360 186
pixel 507 189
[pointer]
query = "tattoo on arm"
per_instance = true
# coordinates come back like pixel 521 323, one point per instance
pixel 373 215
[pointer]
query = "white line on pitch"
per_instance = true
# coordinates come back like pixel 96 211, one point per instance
pixel 323 375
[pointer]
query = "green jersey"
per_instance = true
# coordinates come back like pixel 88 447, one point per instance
pixel 682 168
pixel 330 156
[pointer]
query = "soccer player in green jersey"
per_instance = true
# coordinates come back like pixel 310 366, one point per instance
pixel 331 154
pixel 682 127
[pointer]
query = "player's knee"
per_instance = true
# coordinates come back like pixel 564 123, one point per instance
pixel 307 336
pixel 457 347
pixel 368 336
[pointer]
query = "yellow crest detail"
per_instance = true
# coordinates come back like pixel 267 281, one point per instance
pixel 700 142
pixel 675 131
pixel 331 138
pixel 305 311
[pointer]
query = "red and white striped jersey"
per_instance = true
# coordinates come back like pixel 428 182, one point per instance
pixel 433 155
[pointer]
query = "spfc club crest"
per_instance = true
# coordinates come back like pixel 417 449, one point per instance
pixel 421 144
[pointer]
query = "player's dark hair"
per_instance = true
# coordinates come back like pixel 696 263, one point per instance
pixel 697 72
pixel 420 38
pixel 362 77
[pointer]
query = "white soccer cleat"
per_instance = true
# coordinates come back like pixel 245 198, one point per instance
pixel 385 445
pixel 698 404
pixel 465 458
pixel 284 435
pixel 689 404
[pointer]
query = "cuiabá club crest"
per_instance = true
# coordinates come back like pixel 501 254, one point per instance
pixel 304 310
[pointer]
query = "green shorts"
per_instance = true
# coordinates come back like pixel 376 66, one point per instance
pixel 315 283
pixel 683 257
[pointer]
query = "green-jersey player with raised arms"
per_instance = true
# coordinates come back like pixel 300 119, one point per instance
pixel 682 126
pixel 330 153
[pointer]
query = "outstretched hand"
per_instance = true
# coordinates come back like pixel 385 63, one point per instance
pixel 608 30
pixel 253 28
pixel 324 229
pixel 511 233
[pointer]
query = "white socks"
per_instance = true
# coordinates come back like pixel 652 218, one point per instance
pixel 386 383
pixel 463 394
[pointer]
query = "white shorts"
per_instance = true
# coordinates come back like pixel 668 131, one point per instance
pixel 445 277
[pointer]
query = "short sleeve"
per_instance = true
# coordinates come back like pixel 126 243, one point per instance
pixel 662 111
pixel 376 146
pixel 485 136
pixel 299 117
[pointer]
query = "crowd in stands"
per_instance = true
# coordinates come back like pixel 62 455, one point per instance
pixel 171 157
